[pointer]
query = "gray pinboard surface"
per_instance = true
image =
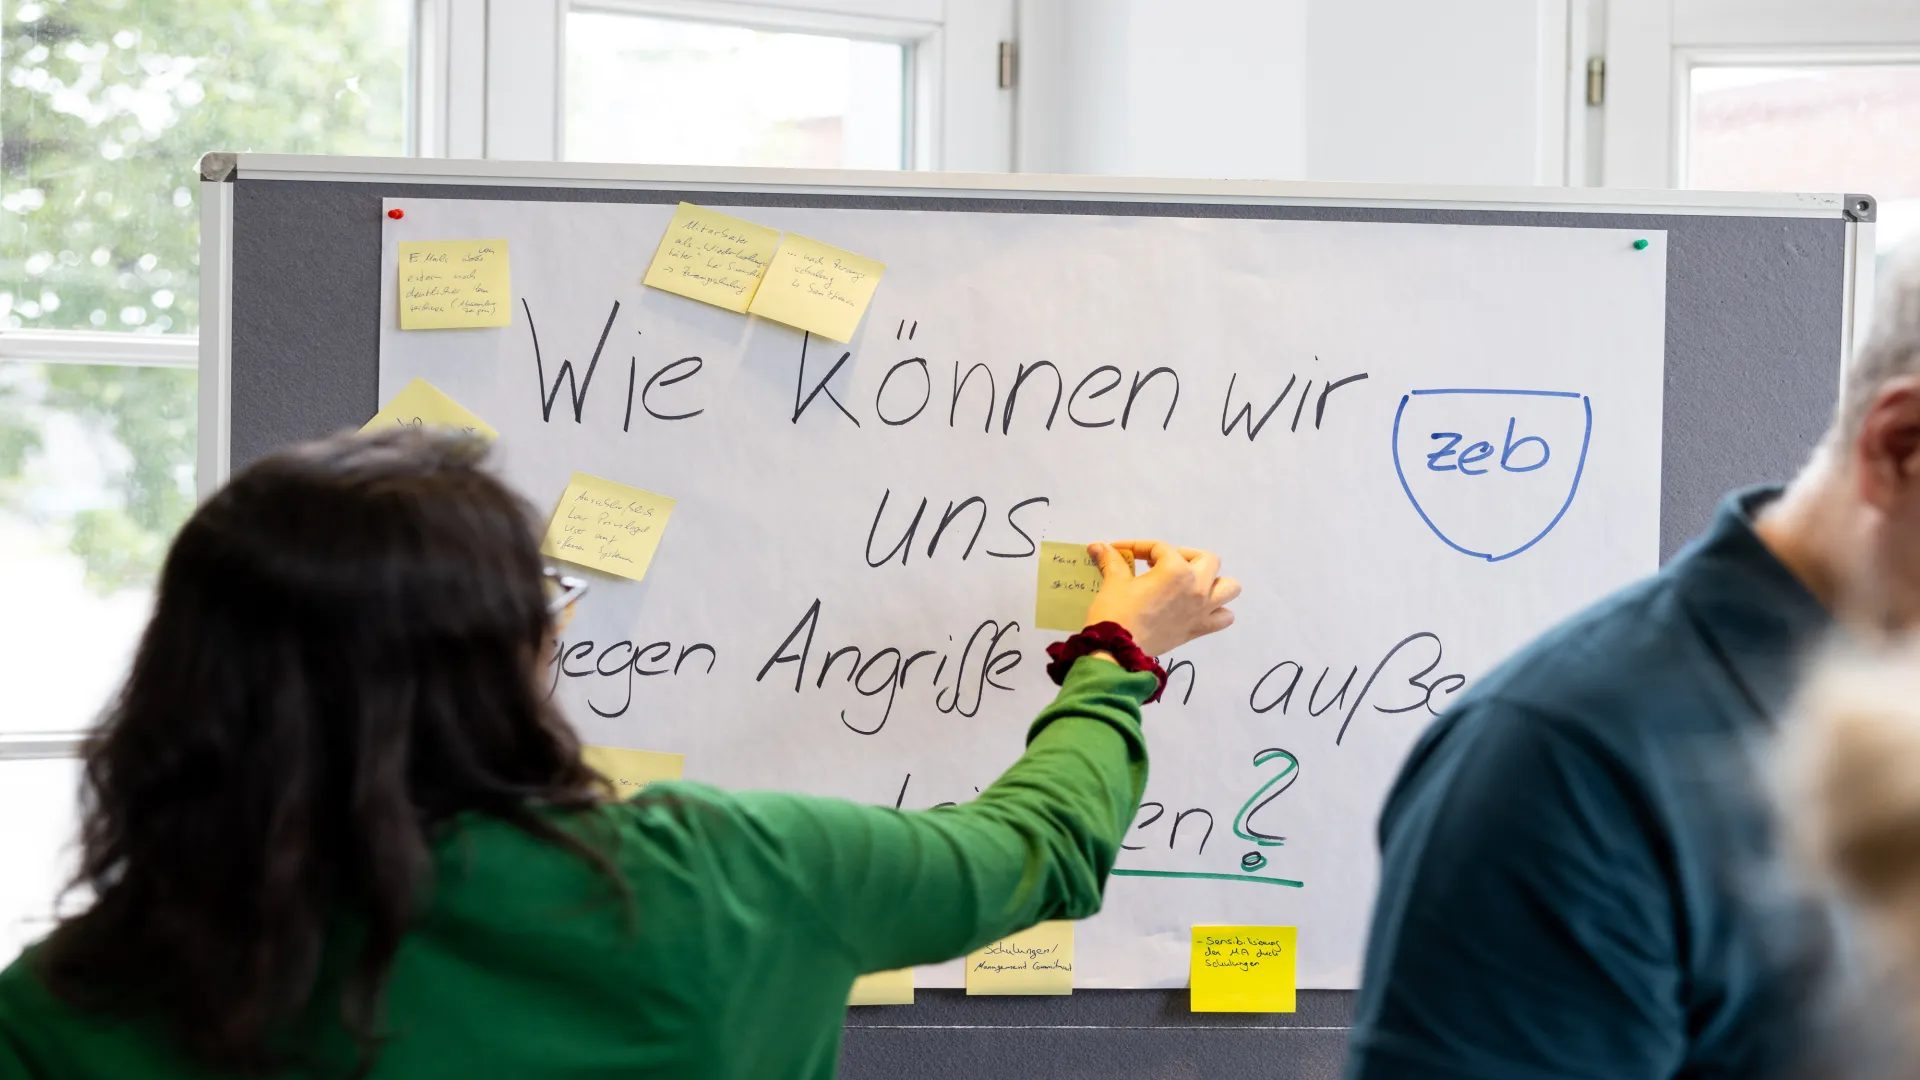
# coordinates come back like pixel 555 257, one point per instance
pixel 1754 322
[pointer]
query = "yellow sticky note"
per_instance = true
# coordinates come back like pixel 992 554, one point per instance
pixel 451 284
pixel 1243 968
pixel 817 287
pixel 711 257
pixel 607 526
pixel 883 988
pixel 630 770
pixel 1068 579
pixel 1038 960
pixel 421 404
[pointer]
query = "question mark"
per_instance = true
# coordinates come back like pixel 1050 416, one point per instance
pixel 1254 860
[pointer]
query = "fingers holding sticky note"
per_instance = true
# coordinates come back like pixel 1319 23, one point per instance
pixel 1243 968
pixel 421 404
pixel 817 287
pixel 607 526
pixel 454 284
pixel 1069 579
pixel 712 257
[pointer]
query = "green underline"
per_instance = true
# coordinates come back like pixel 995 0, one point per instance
pixel 1214 877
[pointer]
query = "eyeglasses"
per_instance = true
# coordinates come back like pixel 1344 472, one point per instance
pixel 562 591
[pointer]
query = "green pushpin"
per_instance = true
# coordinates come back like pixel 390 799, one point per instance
pixel 1640 245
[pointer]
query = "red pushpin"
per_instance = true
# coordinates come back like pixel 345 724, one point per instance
pixel 396 213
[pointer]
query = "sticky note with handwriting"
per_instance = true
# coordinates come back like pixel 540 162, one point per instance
pixel 1068 580
pixel 453 284
pixel 421 404
pixel 711 257
pixel 817 287
pixel 631 770
pixel 1243 968
pixel 607 526
pixel 883 988
pixel 1038 960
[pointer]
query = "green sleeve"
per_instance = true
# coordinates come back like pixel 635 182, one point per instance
pixel 914 887
pixel 12 1065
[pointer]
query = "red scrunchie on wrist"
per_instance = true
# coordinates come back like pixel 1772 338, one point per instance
pixel 1108 637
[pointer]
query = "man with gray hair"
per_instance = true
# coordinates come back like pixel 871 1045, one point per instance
pixel 1568 883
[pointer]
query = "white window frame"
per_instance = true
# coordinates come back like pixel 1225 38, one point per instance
pixel 922 40
pixel 109 348
pixel 1688 58
pixel 490 75
pixel 449 78
pixel 98 347
pixel 85 347
pixel 1646 91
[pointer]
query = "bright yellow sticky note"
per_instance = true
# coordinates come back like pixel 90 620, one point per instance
pixel 452 284
pixel 883 988
pixel 1038 960
pixel 421 404
pixel 817 287
pixel 1068 579
pixel 711 257
pixel 1243 968
pixel 607 526
pixel 630 770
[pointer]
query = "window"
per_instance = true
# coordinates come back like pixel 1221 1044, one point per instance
pixel 106 107
pixel 37 818
pixel 1810 127
pixel 98 462
pixel 110 105
pixel 671 91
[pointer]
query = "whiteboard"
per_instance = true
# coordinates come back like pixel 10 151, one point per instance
pixel 1496 468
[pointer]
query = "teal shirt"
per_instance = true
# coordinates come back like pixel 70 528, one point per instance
pixel 751 915
pixel 1578 859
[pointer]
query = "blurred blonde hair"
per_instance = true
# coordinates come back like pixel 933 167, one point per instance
pixel 1851 766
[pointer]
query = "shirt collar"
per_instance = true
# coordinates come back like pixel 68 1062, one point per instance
pixel 1759 617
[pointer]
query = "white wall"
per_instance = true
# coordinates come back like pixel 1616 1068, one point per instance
pixel 1147 87
pixel 1387 90
pixel 1407 91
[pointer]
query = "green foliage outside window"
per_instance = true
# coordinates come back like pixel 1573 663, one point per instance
pixel 105 109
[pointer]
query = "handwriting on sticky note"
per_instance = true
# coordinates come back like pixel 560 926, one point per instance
pixel 1243 968
pixel 711 257
pixel 453 284
pixel 421 404
pixel 883 988
pixel 1038 960
pixel 817 287
pixel 1069 578
pixel 629 771
pixel 607 526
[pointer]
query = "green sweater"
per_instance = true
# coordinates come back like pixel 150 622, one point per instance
pixel 752 914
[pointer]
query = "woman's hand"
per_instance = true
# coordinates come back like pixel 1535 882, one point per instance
pixel 1181 596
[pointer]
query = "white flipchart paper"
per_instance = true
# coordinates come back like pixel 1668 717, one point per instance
pixel 1496 469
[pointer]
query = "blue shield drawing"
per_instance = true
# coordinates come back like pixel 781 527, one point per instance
pixel 1491 472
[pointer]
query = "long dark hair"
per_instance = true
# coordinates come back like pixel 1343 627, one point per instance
pixel 342 657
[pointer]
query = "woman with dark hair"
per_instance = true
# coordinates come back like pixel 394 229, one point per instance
pixel 333 827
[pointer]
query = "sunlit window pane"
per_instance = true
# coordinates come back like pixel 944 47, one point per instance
pixel 106 107
pixel 1853 128
pixel 37 817
pixel 96 475
pixel 669 91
